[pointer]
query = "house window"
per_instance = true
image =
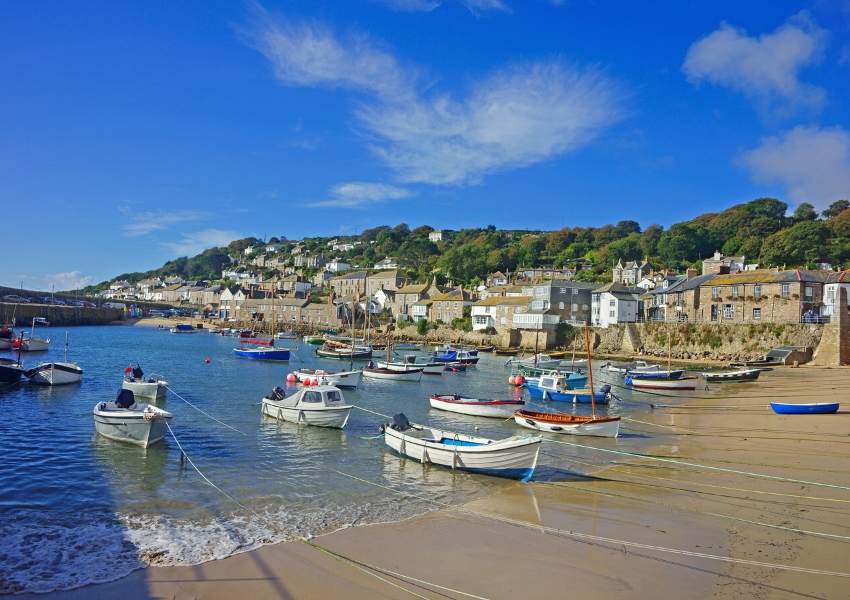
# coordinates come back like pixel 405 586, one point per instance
pixel 575 291
pixel 714 293
pixel 612 303
pixel 756 292
pixel 612 314
pixel 713 312
pixel 786 290
pixel 810 291
pixel 563 290
pixel 561 305
pixel 756 314
pixel 728 311
pixel 575 307
pixel 734 291
pixel 678 298
pixel 830 296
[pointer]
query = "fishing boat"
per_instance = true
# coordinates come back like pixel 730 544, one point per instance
pixel 571 424
pixel 340 379
pixel 685 383
pixel 731 376
pixel 564 394
pixel 638 366
pixel 183 328
pixel 500 409
pixel 126 420
pixel 514 457
pixel 506 351
pixel 7 336
pixel 814 408
pixel 10 370
pixel 391 375
pixel 56 373
pixel 30 343
pixel 143 387
pixel 340 352
pixel 451 355
pixel 322 406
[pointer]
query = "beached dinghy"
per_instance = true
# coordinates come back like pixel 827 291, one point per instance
pixel 658 374
pixel 731 376
pixel 570 424
pixel 125 420
pixel 815 408
pixel 501 409
pixel 514 457
pixel 685 383
pixel 341 379
pixel 143 387
pixel 322 406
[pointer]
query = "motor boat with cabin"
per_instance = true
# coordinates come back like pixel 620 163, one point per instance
pixel 500 409
pixel 453 355
pixel 151 387
pixel 126 420
pixel 513 457
pixel 322 406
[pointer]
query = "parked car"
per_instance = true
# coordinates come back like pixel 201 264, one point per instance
pixel 15 298
pixel 87 304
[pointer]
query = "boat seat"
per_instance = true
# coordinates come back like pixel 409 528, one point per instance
pixel 125 399
pixel 400 422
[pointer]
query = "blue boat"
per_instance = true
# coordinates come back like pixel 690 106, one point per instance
pixel 816 408
pixel 556 387
pixel 451 355
pixel 262 353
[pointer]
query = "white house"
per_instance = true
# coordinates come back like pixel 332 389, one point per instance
pixel 383 299
pixel 831 295
pixel 436 235
pixel 273 247
pixel 386 263
pixel 497 311
pixel 338 266
pixel 614 303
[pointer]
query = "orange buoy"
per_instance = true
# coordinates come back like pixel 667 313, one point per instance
pixel 512 380
pixel 291 378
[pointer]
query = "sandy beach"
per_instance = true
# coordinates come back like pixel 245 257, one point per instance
pixel 758 488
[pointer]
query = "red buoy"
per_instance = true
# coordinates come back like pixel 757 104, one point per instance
pixel 520 379
pixel 207 360
pixel 291 378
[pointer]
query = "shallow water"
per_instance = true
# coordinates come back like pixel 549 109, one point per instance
pixel 76 508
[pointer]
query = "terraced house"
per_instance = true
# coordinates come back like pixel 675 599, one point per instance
pixel 449 305
pixel 498 312
pixel 763 295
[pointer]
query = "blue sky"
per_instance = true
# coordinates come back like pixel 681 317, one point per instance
pixel 133 133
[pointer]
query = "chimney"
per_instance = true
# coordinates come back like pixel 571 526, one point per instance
pixel 691 273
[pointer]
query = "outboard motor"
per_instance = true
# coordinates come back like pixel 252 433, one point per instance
pixel 125 399
pixel 400 422
pixel 606 389
pixel 138 373
pixel 278 394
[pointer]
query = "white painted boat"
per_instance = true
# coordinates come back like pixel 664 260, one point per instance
pixel 321 406
pixel 638 366
pixel 286 335
pixel 340 379
pixel 514 457
pixel 30 343
pixel 7 336
pixel 501 409
pixel 391 375
pixel 569 424
pixel 731 376
pixel 685 383
pixel 55 373
pixel 412 362
pixel 126 420
pixel 541 361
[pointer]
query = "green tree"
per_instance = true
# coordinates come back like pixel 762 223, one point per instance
pixel 804 212
pixel 835 209
pixel 649 240
pixel 465 263
pixel 801 243
pixel 421 326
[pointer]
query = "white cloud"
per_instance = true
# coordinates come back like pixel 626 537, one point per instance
pixel 766 69
pixel 813 164
pixel 194 242
pixel 69 280
pixel 359 194
pixel 518 116
pixel 146 222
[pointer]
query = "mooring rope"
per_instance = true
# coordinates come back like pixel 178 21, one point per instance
pixel 205 413
pixel 608 540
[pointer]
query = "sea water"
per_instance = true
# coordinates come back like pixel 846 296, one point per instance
pixel 76 508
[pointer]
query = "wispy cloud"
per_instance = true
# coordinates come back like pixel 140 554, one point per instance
pixel 766 69
pixel 69 280
pixel 197 241
pixel 517 116
pixel 146 222
pixel 813 164
pixel 475 6
pixel 359 194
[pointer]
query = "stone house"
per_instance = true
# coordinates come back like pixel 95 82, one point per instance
pixel 421 310
pixel 791 296
pixel 388 280
pixel 230 303
pixel 449 305
pixel 386 263
pixel 722 265
pixel 630 273
pixel 497 312
pixel 351 284
pixel 409 294
pixel 675 299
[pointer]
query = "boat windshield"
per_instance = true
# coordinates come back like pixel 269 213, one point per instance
pixel 312 397
pixel 334 396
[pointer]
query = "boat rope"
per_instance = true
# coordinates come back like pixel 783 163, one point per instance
pixel 608 540
pixel 358 564
pixel 373 412
pixel 707 467
pixel 205 413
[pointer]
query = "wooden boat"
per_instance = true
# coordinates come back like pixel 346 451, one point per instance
pixel 685 383
pixel 657 374
pixel 391 375
pixel 571 424
pixel 315 340
pixel 411 363
pixel 514 457
pixel 638 366
pixel 10 370
pixel 559 354
pixel 340 379
pixel 815 408
pixel 486 348
pixel 506 351
pixel 345 352
pixel 263 353
pixel 501 409
pixel 56 373
pixel 322 406
pixel 126 420
pixel 731 376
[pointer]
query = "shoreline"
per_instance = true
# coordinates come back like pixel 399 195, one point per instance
pixel 632 500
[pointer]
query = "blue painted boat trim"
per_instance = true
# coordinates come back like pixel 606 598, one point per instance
pixel 265 355
pixel 823 408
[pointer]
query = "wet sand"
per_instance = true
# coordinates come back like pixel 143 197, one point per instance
pixel 497 547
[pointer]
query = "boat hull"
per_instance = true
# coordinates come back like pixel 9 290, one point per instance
pixel 130 428
pixel 427 369
pixel 342 379
pixel 344 354
pixel 279 354
pixel 686 383
pixel 732 376
pixel 33 345
pixel 515 458
pixel 55 374
pixel 145 389
pixel 333 417
pixel 569 396
pixel 568 424
pixel 499 409
pixel 390 375
pixel 817 408
pixel 10 371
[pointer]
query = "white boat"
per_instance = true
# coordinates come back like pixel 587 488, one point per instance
pixel 389 374
pixel 152 387
pixel 7 336
pixel 56 373
pixel 685 383
pixel 322 406
pixel 514 457
pixel 501 409
pixel 286 335
pixel 30 343
pixel 638 366
pixel 411 363
pixel 570 424
pixel 341 379
pixel 541 361
pixel 126 420
pixel 575 362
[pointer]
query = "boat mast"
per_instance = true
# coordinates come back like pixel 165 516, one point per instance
pixel 351 356
pixel 590 373
pixel 669 349
pixel 66 346
pixel 536 340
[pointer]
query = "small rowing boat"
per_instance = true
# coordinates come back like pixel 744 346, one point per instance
pixel 731 376
pixel 501 409
pixel 657 374
pixel 513 457
pixel 685 383
pixel 322 406
pixel 263 353
pixel 125 420
pixel 571 424
pixel 638 366
pixel 392 375
pixel 506 351
pixel 340 379
pixel 815 408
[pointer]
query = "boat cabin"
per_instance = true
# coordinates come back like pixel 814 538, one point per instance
pixel 312 397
